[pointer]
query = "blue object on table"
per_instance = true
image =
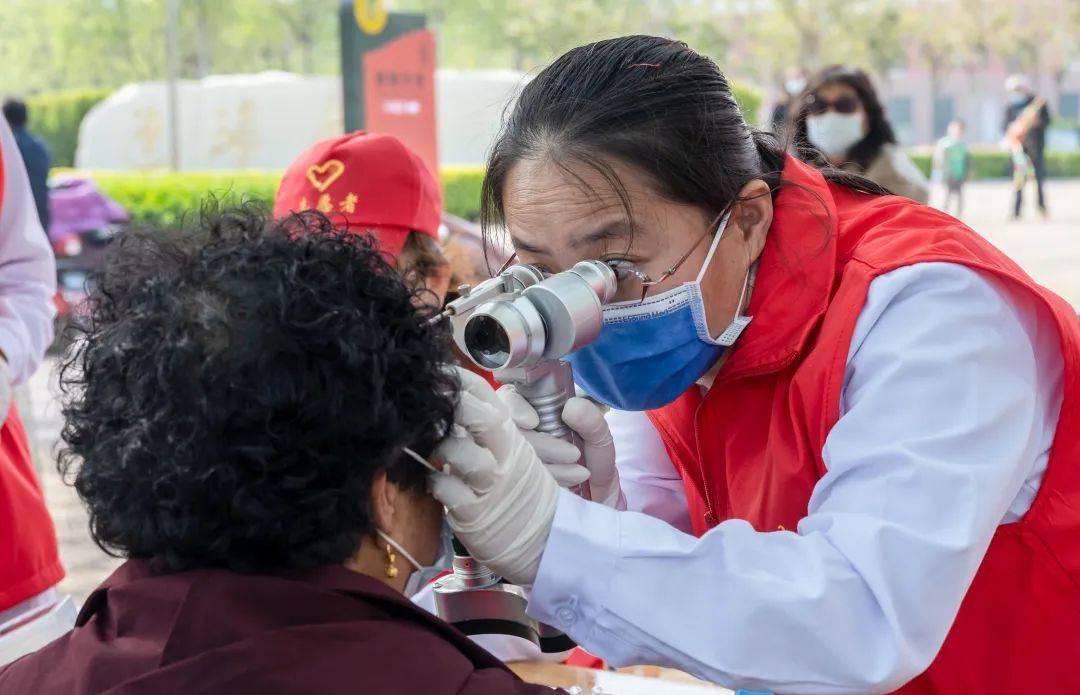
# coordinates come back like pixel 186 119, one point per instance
pixel 752 692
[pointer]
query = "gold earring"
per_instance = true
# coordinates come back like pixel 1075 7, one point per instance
pixel 391 560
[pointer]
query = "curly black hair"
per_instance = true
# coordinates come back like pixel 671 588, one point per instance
pixel 234 389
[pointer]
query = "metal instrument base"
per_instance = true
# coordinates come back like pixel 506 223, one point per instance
pixel 497 609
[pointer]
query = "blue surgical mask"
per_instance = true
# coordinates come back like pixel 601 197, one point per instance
pixel 648 353
pixel 1017 98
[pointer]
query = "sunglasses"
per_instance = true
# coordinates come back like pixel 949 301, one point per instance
pixel 816 106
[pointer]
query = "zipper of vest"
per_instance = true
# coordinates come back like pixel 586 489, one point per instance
pixel 710 516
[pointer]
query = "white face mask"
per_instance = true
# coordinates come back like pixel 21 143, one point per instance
pixel 834 133
pixel 795 85
pixel 423 574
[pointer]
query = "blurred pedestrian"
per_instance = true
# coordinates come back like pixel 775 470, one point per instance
pixel 35 154
pixel 792 89
pixel 1026 118
pixel 370 182
pixel 29 558
pixel 952 165
pixel 841 117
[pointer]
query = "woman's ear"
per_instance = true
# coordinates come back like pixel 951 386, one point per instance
pixel 384 500
pixel 752 216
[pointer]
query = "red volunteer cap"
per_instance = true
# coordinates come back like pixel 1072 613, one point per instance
pixel 364 181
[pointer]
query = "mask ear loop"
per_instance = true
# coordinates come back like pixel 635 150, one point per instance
pixel 720 229
pixel 386 537
pixel 397 546
pixel 739 322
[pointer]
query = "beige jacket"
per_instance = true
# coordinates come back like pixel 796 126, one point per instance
pixel 895 171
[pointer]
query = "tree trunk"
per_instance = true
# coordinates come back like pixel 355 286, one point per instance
pixel 203 59
pixel 307 55
pixel 935 63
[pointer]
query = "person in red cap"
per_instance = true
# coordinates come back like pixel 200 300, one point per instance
pixel 370 182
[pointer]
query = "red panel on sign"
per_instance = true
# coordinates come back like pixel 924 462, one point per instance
pixel 399 93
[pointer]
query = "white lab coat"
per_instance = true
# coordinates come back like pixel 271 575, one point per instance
pixel 27 269
pixel 950 402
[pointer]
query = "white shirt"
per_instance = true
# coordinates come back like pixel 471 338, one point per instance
pixel 951 396
pixel 27 269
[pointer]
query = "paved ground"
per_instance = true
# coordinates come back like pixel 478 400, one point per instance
pixel 1049 250
pixel 85 563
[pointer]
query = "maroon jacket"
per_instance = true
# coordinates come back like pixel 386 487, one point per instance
pixel 326 631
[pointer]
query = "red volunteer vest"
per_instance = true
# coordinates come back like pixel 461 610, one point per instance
pixel 1018 628
pixel 29 558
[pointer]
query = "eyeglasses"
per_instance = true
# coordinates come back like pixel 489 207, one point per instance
pixel 627 273
pixel 816 106
pixel 625 270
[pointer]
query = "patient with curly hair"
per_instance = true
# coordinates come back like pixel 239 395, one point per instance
pixel 249 409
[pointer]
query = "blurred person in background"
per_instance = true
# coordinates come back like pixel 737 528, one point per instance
pixel 36 156
pixel 1026 119
pixel 952 165
pixel 249 412
pixel 29 558
pixel 792 87
pixel 373 183
pixel 471 260
pixel 841 116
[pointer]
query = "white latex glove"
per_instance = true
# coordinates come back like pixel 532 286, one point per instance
pixel 598 449
pixel 499 497
pixel 561 457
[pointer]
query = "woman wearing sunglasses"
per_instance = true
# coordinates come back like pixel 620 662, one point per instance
pixel 875 415
pixel 841 116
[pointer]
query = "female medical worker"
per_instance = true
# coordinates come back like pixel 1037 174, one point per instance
pixel 875 414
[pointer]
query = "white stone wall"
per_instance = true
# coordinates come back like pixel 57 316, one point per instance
pixel 263 121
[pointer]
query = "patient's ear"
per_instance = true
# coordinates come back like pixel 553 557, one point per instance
pixel 385 496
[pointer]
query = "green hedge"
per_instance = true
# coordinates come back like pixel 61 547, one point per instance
pixel 161 198
pixel 56 116
pixel 461 190
pixel 749 100
pixel 1063 164
pixel 995 164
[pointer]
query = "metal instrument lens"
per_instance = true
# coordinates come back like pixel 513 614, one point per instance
pixel 487 341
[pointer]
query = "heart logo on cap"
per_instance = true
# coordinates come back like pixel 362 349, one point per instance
pixel 322 175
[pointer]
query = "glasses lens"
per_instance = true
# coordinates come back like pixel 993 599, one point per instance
pixel 622 269
pixel 846 104
pixel 629 279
